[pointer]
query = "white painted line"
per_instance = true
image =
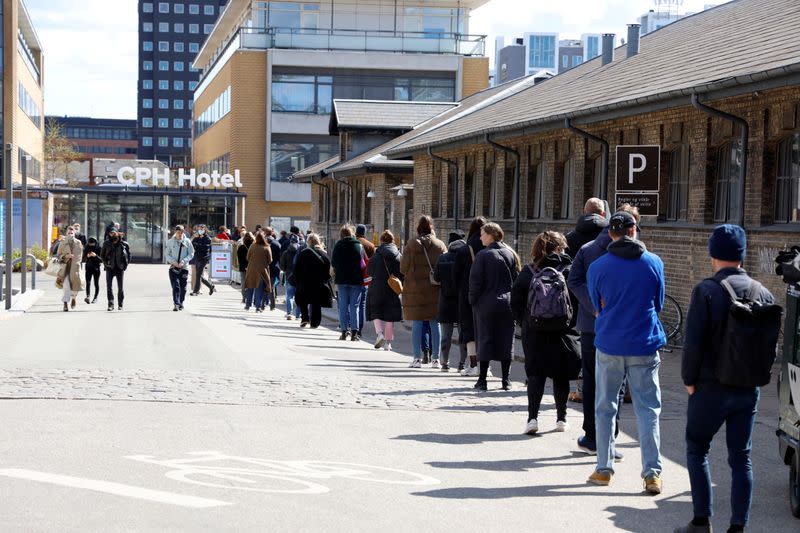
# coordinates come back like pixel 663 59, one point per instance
pixel 109 487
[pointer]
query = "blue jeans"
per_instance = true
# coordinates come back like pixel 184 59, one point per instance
pixel 709 407
pixel 642 375
pixel 291 290
pixel 349 300
pixel 257 294
pixel 272 297
pixel 417 331
pixel 362 309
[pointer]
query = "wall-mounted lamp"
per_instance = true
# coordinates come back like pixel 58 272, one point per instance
pixel 402 193
pixel 371 194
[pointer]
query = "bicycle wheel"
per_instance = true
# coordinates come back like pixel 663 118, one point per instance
pixel 671 317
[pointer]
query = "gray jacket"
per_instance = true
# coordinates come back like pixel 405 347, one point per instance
pixel 174 248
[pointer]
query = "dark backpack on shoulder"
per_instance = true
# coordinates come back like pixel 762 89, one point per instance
pixel 549 305
pixel 750 339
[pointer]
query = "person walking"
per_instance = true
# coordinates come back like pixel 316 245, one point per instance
pixel 116 256
pixel 588 227
pixel 462 267
pixel 287 262
pixel 257 281
pixel 312 272
pixel 202 257
pixel 349 276
pixel 626 287
pixel 490 282
pixel 712 403
pixel 178 255
pixel 543 305
pixel 274 267
pixel 69 279
pixel 383 303
pixel 78 235
pixel 93 262
pixel 420 291
pixel 241 257
pixel 448 299
pixel 369 251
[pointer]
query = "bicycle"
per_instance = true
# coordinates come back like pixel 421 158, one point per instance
pixel 671 317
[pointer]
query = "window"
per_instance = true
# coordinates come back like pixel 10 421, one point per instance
pixel 177 142
pixel 147 122
pixel 208 10
pixel 469 186
pixel 727 197
pixel 147 141
pixel 678 193
pixel 163 141
pixel 194 9
pixel 207 28
pixel 592 47
pixel 488 184
pixel 290 156
pixel 163 46
pixel 177 104
pixel 177 85
pixel 147 27
pixel 177 47
pixel 194 48
pixel 147 103
pixel 787 184
pixel 29 105
pixel 542 51
pixel 147 7
pixel 194 28
pixel 147 84
pixel 177 123
pixel 163 85
pixel 147 65
pixel 178 27
pixel 436 187
pixel 163 103
pixel 535 178
pixel 163 27
pixel 565 61
pixel 163 123
pixel 178 9
pixel 509 187
pixel 192 85
pixel 220 107
pixel 576 60
pixel 147 46
pixel 177 66
pixel 163 66
pixel 294 15
pixel 163 7
pixel 567 189
pixel 597 177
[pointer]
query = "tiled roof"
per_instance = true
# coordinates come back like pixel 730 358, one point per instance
pixel 308 172
pixel 730 44
pixel 383 114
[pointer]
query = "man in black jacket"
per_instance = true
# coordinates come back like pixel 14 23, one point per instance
pixel 588 227
pixel 116 255
pixel 202 257
pixel 448 299
pixel 710 403
pixel 274 267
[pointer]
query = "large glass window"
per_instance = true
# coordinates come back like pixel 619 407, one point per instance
pixel 177 46
pixel 147 46
pixel 147 7
pixel 29 105
pixel 489 184
pixel 147 84
pixel 290 156
pixel 220 107
pixel 163 103
pixel 542 51
pixel 469 186
pixel 163 122
pixel 163 85
pixel 568 189
pixel 727 197
pixel 177 66
pixel 163 141
pixel 678 198
pixel 509 188
pixel 194 28
pixel 163 7
pixel 147 27
pixel 178 27
pixel 177 104
pixel 163 66
pixel 194 48
pixel 177 85
pixel 431 20
pixel 147 103
pixel 194 9
pixel 787 182
pixel 163 27
pixel 592 45
pixel 147 65
pixel 178 9
pixel 597 177
pixel 147 122
pixel 293 15
pixel 163 46
pixel 147 141
pixel 207 28
pixel 177 123
pixel 535 178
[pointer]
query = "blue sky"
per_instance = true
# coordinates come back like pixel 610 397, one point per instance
pixel 90 46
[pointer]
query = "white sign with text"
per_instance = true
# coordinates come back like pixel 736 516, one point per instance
pixel 152 176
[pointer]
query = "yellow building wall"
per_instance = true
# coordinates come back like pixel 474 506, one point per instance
pixel 474 75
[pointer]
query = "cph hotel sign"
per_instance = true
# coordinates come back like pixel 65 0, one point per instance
pixel 163 177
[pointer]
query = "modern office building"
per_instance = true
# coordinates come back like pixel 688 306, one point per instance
pixel 539 53
pixel 170 35
pixel 570 54
pixel 270 72
pixel 99 137
pixel 510 62
pixel 592 45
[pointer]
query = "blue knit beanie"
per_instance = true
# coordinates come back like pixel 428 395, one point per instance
pixel 727 243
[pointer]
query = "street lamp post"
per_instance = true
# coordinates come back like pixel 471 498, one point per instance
pixel 24 228
pixel 9 219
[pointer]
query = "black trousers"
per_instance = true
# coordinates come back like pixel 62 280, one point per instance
pixel 536 384
pixel 178 281
pixel 200 264
pixel 588 363
pixel 92 274
pixel 316 314
pixel 110 275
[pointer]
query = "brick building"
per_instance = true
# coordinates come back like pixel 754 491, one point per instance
pixel 642 97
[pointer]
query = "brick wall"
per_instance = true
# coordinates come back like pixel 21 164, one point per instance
pixel 475 75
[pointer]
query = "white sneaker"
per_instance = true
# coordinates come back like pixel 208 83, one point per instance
pixel 379 341
pixel 532 427
pixel 471 371
pixel 387 347
pixel 562 426
pixel 488 372
pixel 416 363
pixel 435 364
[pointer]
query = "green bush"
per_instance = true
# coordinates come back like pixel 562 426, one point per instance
pixel 37 251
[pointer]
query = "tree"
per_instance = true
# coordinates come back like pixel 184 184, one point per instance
pixel 58 154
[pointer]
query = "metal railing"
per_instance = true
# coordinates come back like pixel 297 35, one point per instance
pixel 23 273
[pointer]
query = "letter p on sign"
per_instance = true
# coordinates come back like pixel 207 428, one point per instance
pixel 638 168
pixel 636 163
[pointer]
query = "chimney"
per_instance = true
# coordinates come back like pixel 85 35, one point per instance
pixel 608 48
pixel 633 39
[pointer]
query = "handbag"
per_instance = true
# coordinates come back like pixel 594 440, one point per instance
pixel 431 273
pixel 366 278
pixel 393 281
pixel 53 267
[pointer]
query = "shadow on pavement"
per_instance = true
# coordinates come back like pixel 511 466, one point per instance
pixel 513 465
pixel 462 438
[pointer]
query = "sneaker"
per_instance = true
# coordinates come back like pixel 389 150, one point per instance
pixel 387 347
pixel 602 478
pixel 86 300
pixel 488 372
pixel 180 307
pixel 94 300
pixel 562 426
pixel 176 308
pixel 193 293
pixel 354 336
pixel 472 371
pixel 652 484
pixel 110 307
pixel 506 385
pixel 119 307
pixel 435 364
pixel 343 336
pixel 416 363
pixel 302 324
pixel 289 317
pixel 212 290
pixel 379 341
pixel 587 446
pixel 246 307
pixel 691 528
pixel 445 368
pixel 532 427
pixel 480 385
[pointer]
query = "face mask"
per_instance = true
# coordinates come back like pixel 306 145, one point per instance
pixel 115 238
pixel 201 231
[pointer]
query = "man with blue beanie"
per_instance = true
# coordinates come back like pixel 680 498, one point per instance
pixel 710 403
pixel 626 287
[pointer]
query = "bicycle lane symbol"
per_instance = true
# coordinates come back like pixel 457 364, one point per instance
pixel 217 470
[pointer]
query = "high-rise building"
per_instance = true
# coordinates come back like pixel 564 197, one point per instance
pixel 543 54
pixel 170 35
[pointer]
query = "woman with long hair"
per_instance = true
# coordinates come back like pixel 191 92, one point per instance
pixel 69 279
pixel 312 273
pixel 347 258
pixel 257 280
pixel 462 267
pixel 490 282
pixel 383 304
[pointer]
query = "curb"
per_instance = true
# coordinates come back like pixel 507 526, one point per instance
pixel 21 304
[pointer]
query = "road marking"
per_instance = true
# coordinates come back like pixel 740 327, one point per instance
pixel 109 487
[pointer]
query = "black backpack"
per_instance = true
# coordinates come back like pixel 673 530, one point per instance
pixel 750 339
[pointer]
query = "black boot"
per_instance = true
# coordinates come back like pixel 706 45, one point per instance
pixel 343 337
pixel 481 385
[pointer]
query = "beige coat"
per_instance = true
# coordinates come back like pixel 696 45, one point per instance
pixel 420 297
pixel 259 258
pixel 73 246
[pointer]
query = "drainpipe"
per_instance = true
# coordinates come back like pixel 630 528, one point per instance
pixel 453 165
pixel 327 207
pixel 517 187
pixel 604 145
pixel 350 203
pixel 744 139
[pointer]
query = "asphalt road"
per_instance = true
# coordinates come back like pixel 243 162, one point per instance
pixel 214 419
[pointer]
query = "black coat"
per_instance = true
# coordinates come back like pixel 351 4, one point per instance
pixel 93 263
pixel 586 230
pixel 550 354
pixel 202 248
pixel 275 266
pixel 449 290
pixel 461 271
pixel 490 282
pixel 346 259
pixel 312 272
pixel 116 255
pixel 382 302
pixel 241 256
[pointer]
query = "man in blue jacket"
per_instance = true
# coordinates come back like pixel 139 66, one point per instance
pixel 626 287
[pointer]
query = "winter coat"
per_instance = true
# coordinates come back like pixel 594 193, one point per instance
pixel 81 237
pixel 629 281
pixel 275 266
pixel 258 259
pixel 490 283
pixel 71 267
pixel 202 248
pixel 382 302
pixel 241 256
pixel 93 264
pixel 420 297
pixel 448 290
pixel 116 255
pixel 346 261
pixel 586 230
pixel 182 251
pixel 461 271
pixel 576 282
pixel 289 256
pixel 706 320
pixel 554 355
pixel 312 272
pixel 369 248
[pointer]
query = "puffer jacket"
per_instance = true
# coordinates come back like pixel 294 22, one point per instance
pixel 448 291
pixel 420 297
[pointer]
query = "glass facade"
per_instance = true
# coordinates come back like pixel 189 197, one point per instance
pixel 289 155
pixel 542 51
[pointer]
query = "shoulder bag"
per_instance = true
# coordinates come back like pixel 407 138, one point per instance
pixel 175 269
pixel 393 281
pixel 431 273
